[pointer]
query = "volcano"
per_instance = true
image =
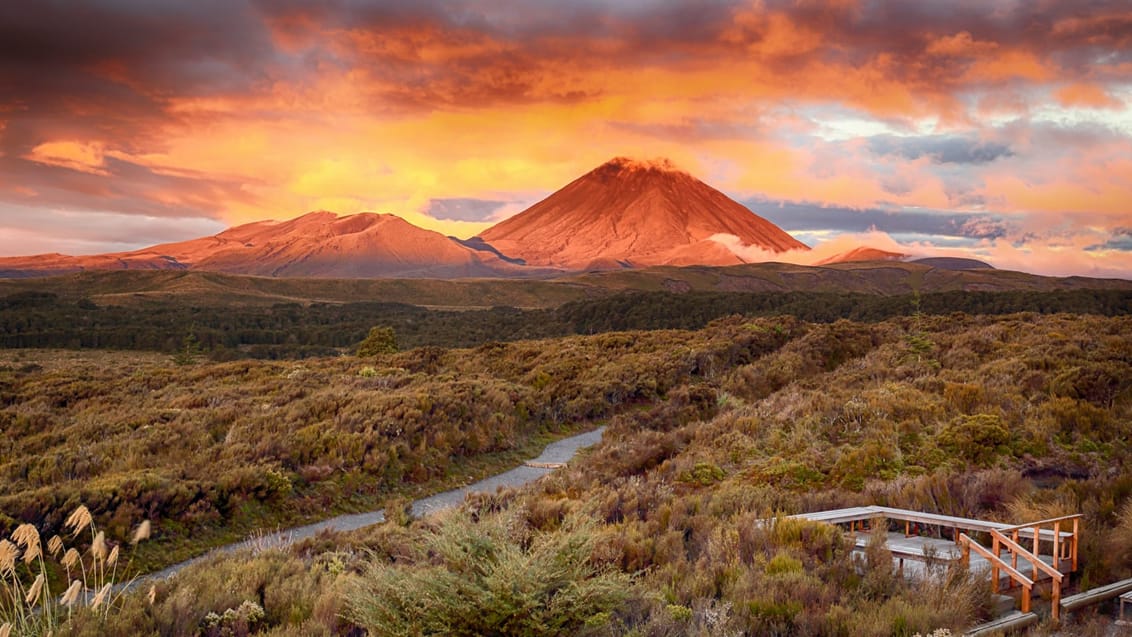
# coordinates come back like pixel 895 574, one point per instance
pixel 634 214
pixel 317 244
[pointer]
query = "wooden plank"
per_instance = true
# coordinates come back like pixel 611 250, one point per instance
pixel 915 553
pixel 968 524
pixel 936 519
pixel 1013 621
pixel 1096 595
pixel 1044 522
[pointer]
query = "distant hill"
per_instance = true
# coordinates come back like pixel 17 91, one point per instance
pixel 862 253
pixel 634 213
pixel 318 244
pixel 954 263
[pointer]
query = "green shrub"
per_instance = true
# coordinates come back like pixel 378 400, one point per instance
pixel 489 578
pixel 978 439
pixel 380 340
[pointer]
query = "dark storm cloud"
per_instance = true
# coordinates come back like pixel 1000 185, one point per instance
pixel 798 217
pixel 942 149
pixel 85 70
pixel 505 50
pixel 112 65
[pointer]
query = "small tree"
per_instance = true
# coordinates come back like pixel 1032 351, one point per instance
pixel 189 350
pixel 380 340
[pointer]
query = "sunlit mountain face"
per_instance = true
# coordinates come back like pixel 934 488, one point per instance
pixel 993 130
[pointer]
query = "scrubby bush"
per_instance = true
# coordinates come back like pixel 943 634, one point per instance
pixel 491 577
pixel 380 340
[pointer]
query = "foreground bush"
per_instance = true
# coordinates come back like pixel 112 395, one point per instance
pixel 491 577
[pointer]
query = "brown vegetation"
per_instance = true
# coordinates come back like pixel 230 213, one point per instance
pixel 710 432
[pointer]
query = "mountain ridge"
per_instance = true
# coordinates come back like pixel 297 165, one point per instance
pixel 318 244
pixel 624 214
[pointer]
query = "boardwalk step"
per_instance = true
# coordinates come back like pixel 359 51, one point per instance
pixel 1013 621
pixel 1096 595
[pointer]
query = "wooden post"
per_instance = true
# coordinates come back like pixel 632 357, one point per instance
pixel 994 567
pixel 1037 538
pixel 1074 544
pixel 1056 546
pixel 1013 555
pixel 1056 600
pixel 907 528
pixel 1026 599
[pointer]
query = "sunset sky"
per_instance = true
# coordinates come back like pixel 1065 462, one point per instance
pixel 999 129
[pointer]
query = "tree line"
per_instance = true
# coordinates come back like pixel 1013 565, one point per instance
pixel 293 330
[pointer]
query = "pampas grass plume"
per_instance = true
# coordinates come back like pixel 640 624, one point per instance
pixel 79 519
pixel 8 553
pixel 98 547
pixel 34 591
pixel 55 545
pixel 27 536
pixel 71 595
pixel 70 558
pixel 103 593
pixel 142 532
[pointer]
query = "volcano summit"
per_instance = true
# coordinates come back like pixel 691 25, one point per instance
pixel 636 214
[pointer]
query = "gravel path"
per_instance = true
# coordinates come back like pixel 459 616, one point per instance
pixel 555 453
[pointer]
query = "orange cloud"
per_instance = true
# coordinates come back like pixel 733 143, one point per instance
pixel 81 156
pixel 1087 96
pixel 960 45
pixel 243 113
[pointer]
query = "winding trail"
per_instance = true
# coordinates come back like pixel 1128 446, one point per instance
pixel 555 454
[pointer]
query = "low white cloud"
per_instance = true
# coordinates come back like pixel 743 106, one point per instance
pixel 833 247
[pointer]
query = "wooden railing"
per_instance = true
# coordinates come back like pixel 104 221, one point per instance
pixel 1064 542
pixel 998 564
pixel 1064 548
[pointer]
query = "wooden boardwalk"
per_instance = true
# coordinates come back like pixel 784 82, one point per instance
pixel 1007 559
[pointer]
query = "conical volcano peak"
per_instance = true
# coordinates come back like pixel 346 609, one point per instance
pixel 634 212
pixel 619 165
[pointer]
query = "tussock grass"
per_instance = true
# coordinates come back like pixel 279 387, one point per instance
pixel 32 573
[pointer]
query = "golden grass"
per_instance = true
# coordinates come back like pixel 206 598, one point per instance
pixel 27 604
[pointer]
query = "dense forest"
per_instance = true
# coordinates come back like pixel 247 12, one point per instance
pixel 293 330
pixel 671 526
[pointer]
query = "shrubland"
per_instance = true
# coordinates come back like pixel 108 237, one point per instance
pixel 226 330
pixel 672 526
pixel 210 450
